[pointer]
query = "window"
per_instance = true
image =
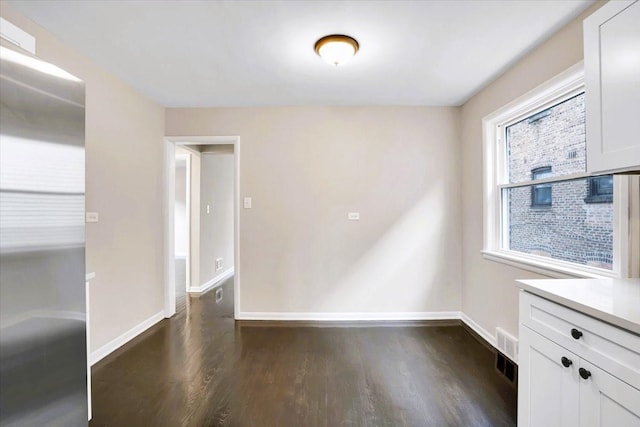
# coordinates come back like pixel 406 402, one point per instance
pixel 543 211
pixel 541 193
pixel 600 189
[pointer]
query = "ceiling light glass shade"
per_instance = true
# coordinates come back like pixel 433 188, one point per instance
pixel 337 49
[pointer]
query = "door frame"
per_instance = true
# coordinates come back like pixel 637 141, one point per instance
pixel 170 142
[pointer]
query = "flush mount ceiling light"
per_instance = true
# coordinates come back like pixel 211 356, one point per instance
pixel 337 49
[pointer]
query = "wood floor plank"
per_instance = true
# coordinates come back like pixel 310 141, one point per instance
pixel 200 368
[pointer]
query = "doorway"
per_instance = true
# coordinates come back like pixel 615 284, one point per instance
pixel 218 151
pixel 182 222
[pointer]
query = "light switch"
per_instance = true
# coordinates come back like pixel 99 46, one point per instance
pixel 247 202
pixel 353 216
pixel 91 217
pixel 208 209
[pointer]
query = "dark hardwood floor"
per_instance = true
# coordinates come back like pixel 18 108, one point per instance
pixel 200 368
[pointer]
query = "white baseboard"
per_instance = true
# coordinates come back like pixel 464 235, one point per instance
pixel 490 338
pixel 118 342
pixel 121 340
pixel 337 317
pixel 213 283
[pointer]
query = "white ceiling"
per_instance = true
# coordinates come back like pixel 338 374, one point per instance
pixel 257 53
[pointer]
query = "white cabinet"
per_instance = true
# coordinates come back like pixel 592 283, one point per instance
pixel 547 390
pixel 612 87
pixel 606 400
pixel 575 370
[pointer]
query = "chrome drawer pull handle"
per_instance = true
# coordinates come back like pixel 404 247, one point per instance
pixel 566 362
pixel 576 334
pixel 584 373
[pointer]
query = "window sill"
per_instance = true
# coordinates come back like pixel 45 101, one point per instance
pixel 553 269
pixel 541 208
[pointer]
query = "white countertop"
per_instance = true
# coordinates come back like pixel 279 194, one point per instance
pixel 615 301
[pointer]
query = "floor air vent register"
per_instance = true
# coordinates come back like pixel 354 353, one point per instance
pixel 507 355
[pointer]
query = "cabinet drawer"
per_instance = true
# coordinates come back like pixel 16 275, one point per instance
pixel 611 348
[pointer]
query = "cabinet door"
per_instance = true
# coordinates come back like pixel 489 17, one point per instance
pixel 547 390
pixel 612 87
pixel 606 401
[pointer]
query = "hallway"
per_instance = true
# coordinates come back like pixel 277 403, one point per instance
pixel 200 369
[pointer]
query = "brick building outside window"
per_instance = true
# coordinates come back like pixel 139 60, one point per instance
pixel 566 220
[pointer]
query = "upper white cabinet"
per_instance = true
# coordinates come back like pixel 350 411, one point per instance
pixel 612 80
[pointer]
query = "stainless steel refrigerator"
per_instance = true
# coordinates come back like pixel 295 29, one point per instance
pixel 43 359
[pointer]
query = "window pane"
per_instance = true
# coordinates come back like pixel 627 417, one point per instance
pixel 553 139
pixel 541 193
pixel 569 229
pixel 600 189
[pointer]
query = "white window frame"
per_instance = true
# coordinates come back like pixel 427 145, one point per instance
pixel 495 178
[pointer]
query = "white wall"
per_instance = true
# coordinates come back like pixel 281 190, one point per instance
pixel 216 227
pixel 180 229
pixel 124 175
pixel 489 294
pixel 306 167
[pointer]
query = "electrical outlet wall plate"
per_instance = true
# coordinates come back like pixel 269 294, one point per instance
pixel 92 217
